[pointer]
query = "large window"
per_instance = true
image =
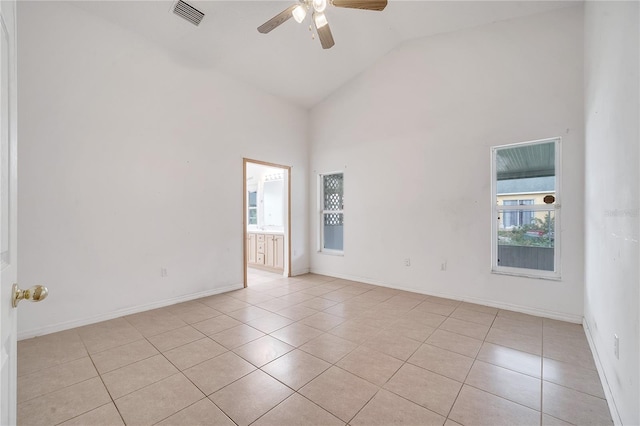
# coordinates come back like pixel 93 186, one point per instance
pixel 526 212
pixel 331 213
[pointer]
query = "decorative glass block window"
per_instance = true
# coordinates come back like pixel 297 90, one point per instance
pixel 526 209
pixel 331 213
pixel 253 207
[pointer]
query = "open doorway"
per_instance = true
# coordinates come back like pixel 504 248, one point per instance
pixel 266 221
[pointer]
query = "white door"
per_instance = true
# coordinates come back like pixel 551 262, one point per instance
pixel 8 211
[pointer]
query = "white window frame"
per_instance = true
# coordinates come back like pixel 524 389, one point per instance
pixel 555 208
pixel 322 212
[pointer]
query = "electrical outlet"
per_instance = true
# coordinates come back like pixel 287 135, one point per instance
pixel 443 266
pixel 163 272
pixel 407 262
pixel 616 346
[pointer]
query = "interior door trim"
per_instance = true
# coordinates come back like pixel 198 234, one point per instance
pixel 244 213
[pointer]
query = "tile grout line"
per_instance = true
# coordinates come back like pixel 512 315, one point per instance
pixel 295 391
pixel 334 364
pixel 146 338
pixel 470 368
pixel 269 334
pixel 398 308
pixel 205 396
pixel 113 401
pixel 260 368
pixel 499 366
pixel 404 362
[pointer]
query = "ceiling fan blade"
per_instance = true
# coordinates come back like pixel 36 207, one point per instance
pixel 361 4
pixel 325 36
pixel 277 20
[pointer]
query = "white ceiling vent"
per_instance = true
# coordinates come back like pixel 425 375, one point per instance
pixel 188 12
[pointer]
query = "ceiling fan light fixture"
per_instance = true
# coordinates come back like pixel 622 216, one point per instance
pixel 301 8
pixel 299 13
pixel 320 20
pixel 319 5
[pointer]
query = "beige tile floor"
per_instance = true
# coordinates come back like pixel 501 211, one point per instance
pixel 313 350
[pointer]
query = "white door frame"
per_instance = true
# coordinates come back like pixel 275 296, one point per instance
pixel 8 213
pixel 287 237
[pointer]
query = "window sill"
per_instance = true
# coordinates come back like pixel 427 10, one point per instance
pixel 523 274
pixel 332 252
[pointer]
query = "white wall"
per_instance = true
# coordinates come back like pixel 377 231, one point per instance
pixel 413 135
pixel 612 111
pixel 131 161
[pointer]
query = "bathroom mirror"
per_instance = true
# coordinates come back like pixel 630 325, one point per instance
pixel 273 203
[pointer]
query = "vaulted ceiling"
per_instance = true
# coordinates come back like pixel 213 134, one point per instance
pixel 288 62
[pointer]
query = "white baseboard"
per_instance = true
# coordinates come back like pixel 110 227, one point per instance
pixel 27 334
pixel 350 278
pixel 560 316
pixel 576 319
pixel 613 409
pixel 299 272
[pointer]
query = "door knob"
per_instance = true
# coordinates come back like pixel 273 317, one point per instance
pixel 33 294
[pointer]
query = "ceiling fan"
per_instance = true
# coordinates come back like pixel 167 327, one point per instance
pixel 300 10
